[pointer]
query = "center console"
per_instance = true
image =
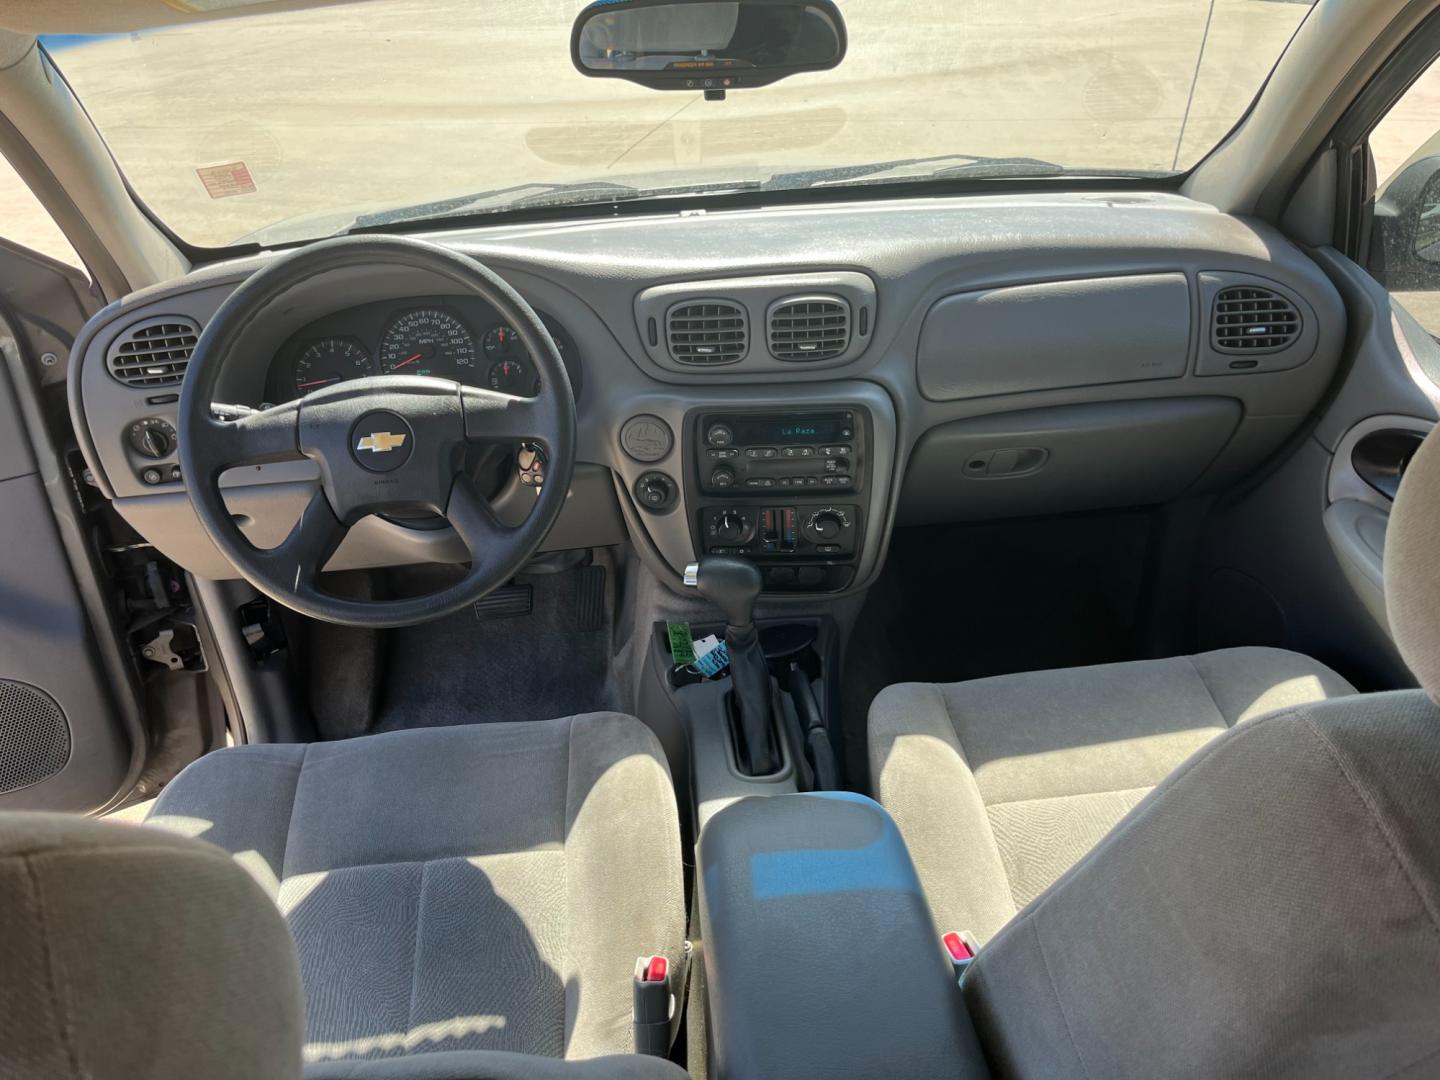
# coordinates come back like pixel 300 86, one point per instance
pixel 784 488
pixel 822 959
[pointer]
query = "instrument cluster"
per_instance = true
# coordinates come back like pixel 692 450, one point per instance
pixel 447 337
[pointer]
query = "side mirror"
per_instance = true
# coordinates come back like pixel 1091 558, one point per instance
pixel 1405 246
pixel 709 45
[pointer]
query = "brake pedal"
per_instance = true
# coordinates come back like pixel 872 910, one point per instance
pixel 507 602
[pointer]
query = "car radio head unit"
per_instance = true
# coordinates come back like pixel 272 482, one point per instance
pixel 816 452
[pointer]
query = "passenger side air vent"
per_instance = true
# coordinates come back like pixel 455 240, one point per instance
pixel 153 352
pixel 809 328
pixel 706 332
pixel 1250 319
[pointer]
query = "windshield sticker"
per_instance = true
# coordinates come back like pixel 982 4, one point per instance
pixel 226 179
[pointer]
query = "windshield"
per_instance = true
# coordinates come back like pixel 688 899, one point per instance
pixel 287 126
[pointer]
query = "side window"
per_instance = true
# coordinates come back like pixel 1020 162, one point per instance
pixel 25 222
pixel 1404 251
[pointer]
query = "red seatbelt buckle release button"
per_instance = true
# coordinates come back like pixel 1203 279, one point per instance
pixel 653 1005
pixel 962 949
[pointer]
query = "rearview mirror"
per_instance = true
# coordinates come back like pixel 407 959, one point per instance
pixel 710 45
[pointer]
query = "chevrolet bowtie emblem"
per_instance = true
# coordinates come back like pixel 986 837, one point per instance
pixel 381 442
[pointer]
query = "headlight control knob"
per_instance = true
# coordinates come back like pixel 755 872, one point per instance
pixel 152 438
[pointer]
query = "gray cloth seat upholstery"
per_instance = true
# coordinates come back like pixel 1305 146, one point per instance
pixel 1271 908
pixel 128 952
pixel 467 888
pixel 131 952
pixel 1000 785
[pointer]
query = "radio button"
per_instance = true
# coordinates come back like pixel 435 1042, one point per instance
pixel 762 452
pixel 834 451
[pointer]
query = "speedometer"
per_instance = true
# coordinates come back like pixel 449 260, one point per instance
pixel 429 341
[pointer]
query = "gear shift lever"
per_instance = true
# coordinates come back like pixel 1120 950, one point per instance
pixel 732 585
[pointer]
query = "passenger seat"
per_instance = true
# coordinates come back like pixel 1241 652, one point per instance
pixel 1000 785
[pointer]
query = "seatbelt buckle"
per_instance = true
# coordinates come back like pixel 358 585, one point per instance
pixel 961 947
pixel 654 1006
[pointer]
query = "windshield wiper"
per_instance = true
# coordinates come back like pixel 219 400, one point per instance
pixel 923 168
pixel 582 193
pixel 595 193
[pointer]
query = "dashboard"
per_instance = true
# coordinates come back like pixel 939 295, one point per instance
pixel 789 384
pixel 448 337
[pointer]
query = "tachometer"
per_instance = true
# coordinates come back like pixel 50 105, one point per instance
pixel 328 361
pixel 428 341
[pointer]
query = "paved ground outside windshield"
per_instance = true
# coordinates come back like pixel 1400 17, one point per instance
pixel 318 125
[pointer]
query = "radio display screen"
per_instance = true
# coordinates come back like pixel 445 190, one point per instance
pixel 780 430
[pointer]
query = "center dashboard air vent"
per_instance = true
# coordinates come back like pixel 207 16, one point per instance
pixel 788 325
pixel 805 329
pixel 1251 319
pixel 153 352
pixel 707 332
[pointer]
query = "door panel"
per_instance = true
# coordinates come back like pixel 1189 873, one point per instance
pixel 1296 559
pixel 70 731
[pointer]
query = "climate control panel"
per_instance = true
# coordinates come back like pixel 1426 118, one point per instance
pixel 786 532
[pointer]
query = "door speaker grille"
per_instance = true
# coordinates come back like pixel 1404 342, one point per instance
pixel 34 736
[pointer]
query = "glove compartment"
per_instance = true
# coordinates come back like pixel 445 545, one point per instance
pixel 1064 458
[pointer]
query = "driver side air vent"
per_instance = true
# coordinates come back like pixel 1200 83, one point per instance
pixel 1249 319
pixel 154 352
pixel 706 332
pixel 809 328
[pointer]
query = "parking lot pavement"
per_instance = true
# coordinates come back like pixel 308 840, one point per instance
pixel 408 100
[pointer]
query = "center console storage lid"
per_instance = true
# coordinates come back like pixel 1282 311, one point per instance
pixel 821 956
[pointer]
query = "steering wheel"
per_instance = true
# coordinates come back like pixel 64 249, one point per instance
pixel 383 443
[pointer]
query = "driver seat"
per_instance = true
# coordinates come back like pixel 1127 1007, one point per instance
pixel 484 888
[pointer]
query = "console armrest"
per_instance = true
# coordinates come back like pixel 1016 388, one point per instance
pixel 821 956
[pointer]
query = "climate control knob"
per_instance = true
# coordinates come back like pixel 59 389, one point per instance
pixel 732 527
pixel 825 525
